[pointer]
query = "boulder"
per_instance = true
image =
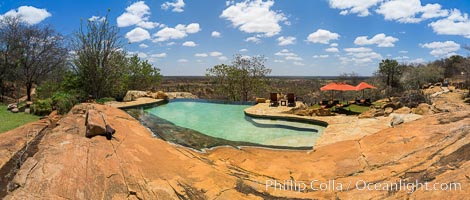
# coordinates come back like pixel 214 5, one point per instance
pixel 11 106
pixel 15 110
pixel 95 124
pixel 373 112
pixel 379 113
pixel 368 114
pixel 260 100
pixel 422 109
pixel 181 95
pixel 27 110
pixel 132 95
pixel 394 105
pixel 388 105
pixel 403 110
pixel 388 110
pixel 396 120
pixel 28 104
pixel 161 95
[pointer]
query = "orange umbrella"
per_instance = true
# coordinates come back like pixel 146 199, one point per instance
pixel 338 87
pixel 329 86
pixel 344 87
pixel 362 86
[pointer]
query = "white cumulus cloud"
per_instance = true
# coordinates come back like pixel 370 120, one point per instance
pixel 159 55
pixel 254 16
pixel 193 28
pixel 215 34
pixel 410 11
pixel 243 50
pixel 360 56
pixel 289 56
pixel 203 55
pixel 137 35
pixel 177 6
pixel 253 39
pixel 178 32
pixel 359 7
pixel 417 61
pixel 442 49
pixel 332 50
pixel 182 60
pixel 223 58
pixel 189 44
pixel 381 40
pixel 136 14
pixel 322 36
pixel 96 18
pixel 455 24
pixel 143 46
pixel 282 41
pixel 215 54
pixel 28 14
pixel 298 63
pixel 321 56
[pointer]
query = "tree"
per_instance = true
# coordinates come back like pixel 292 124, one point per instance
pixel 390 72
pixel 142 75
pixel 244 78
pixel 100 62
pixel 465 70
pixel 33 51
pixel 352 78
pixel 415 76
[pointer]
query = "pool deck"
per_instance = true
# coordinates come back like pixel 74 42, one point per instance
pixel 143 101
pixel 340 127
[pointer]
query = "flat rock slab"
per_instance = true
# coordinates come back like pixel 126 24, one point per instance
pixel 136 165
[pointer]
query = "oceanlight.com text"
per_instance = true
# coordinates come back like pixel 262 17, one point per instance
pixel 362 185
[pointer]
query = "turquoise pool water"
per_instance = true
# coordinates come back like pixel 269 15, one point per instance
pixel 228 121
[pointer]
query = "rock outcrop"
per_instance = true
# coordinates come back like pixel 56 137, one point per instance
pixel 396 120
pixel 422 109
pixel 403 110
pixel 372 112
pixel 181 95
pixel 134 165
pixel 132 95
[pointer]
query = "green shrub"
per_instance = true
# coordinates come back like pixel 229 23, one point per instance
pixel 42 106
pixel 104 100
pixel 63 101
pixel 46 89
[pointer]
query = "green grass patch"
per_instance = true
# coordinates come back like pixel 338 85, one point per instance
pixel 357 109
pixel 9 120
pixel 351 109
pixel 315 106
pixel 104 100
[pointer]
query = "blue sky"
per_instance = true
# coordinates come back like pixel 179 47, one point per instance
pixel 298 37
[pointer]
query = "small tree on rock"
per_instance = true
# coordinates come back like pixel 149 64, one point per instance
pixel 241 80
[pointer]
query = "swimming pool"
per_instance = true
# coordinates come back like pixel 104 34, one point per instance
pixel 228 122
